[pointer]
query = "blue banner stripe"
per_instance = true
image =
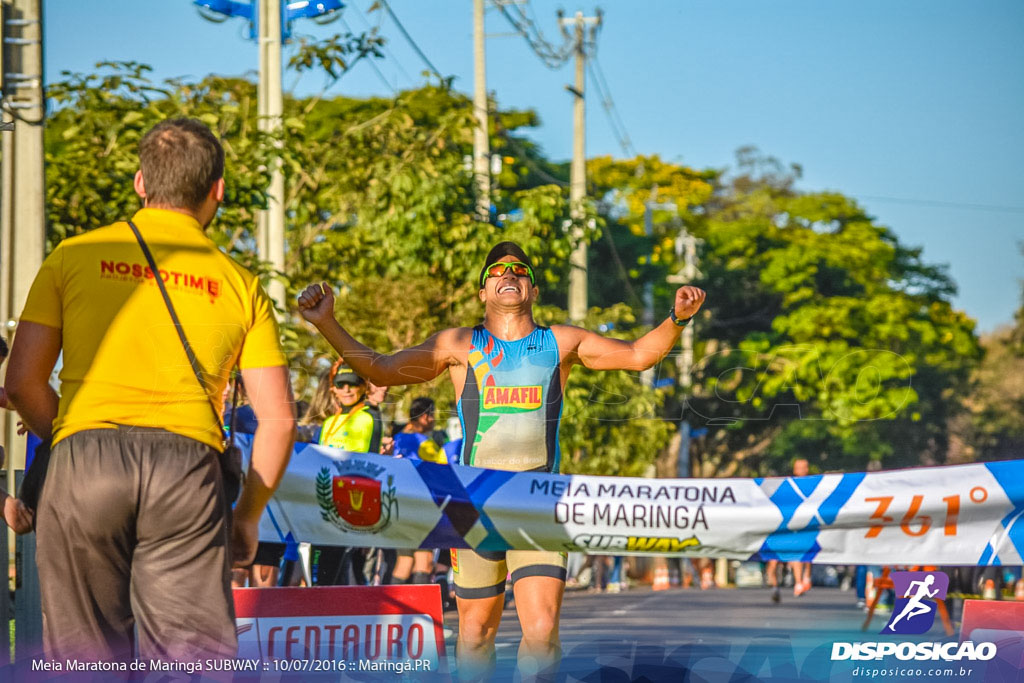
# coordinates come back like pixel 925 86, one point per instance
pixel 489 481
pixel 444 535
pixel 480 489
pixel 461 510
pixel 829 510
pixel 800 544
pixel 796 546
pixel 787 500
pixel 1010 476
pixel 806 485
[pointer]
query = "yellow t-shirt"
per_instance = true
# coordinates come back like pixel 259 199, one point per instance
pixel 123 361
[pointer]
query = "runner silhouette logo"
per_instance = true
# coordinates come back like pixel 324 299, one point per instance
pixel 916 597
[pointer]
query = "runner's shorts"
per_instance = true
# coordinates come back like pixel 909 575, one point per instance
pixel 482 574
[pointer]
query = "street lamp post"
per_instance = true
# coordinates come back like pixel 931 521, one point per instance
pixel 270 25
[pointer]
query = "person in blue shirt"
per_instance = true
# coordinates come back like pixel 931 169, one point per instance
pixel 417 437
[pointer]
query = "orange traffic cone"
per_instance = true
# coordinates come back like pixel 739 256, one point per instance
pixel 660 579
pixel 989 592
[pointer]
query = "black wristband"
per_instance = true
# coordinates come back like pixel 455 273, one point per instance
pixel 676 321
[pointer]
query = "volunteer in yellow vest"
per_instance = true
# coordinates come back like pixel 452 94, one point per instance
pixel 355 428
pixel 135 535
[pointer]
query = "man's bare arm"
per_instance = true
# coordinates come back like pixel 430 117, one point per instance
pixel 269 391
pixel 604 353
pixel 33 355
pixel 414 365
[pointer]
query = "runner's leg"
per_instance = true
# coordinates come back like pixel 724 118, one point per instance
pixel 478 627
pixel 422 566
pixel 403 566
pixel 538 582
pixel 480 597
pixel 539 604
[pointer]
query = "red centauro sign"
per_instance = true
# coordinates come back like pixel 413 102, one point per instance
pixel 344 628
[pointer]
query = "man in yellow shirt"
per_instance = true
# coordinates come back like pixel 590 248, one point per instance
pixel 134 528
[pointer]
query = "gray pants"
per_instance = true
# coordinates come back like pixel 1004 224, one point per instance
pixel 133 530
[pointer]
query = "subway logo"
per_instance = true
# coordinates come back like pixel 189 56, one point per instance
pixel 517 398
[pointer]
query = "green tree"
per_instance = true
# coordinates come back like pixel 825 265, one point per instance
pixel 827 338
pixel 991 427
pixel 823 336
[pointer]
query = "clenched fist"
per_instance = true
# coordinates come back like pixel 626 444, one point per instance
pixel 689 299
pixel 316 303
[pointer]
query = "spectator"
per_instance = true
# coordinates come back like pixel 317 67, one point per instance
pixel 416 440
pixel 355 428
pixel 17 516
pixel 265 569
pixel 323 406
pixel 375 396
pixel 801 570
pixel 135 535
pixel 241 417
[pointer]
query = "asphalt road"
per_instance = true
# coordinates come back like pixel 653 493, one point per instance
pixel 712 635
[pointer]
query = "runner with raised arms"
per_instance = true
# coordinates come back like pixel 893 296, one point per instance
pixel 509 374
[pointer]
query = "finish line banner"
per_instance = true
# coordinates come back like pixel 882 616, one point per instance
pixel 957 515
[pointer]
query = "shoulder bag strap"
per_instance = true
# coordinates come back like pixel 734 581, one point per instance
pixel 193 361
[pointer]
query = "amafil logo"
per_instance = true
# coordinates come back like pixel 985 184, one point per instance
pixel 916 596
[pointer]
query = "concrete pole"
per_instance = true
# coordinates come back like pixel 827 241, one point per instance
pixel 686 246
pixel 578 182
pixel 650 206
pixel 8 419
pixel 481 142
pixel 647 376
pixel 270 236
pixel 24 222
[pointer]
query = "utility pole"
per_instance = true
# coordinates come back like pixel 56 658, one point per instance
pixel 578 170
pixel 686 248
pixel 22 208
pixel 270 224
pixel 650 206
pixel 481 143
pixel 270 24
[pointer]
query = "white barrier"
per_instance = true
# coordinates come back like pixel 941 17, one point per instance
pixel 964 514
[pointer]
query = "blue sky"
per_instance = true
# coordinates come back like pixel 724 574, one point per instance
pixel 911 107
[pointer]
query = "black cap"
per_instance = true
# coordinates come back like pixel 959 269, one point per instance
pixel 345 374
pixel 500 251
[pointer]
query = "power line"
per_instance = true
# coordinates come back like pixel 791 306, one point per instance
pixel 608 104
pixel 386 5
pixel 387 51
pixel 376 69
pixel 525 156
pixel 553 57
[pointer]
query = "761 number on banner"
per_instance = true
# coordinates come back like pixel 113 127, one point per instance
pixel 914 524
